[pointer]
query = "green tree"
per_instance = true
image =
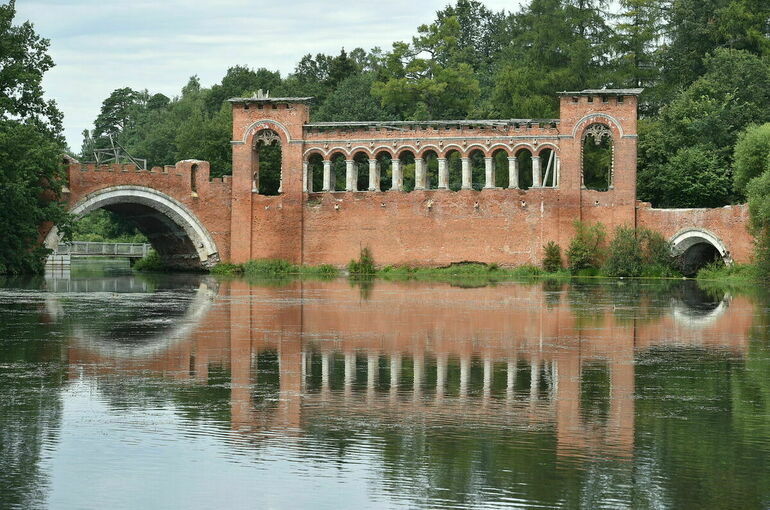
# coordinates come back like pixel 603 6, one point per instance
pixel 752 155
pixel 556 45
pixel 30 145
pixel 703 121
pixel 425 79
pixel 352 101
pixel 758 191
pixel 696 28
pixel 240 81
pixel 638 35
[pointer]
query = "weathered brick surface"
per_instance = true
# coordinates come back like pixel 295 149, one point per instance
pixel 426 228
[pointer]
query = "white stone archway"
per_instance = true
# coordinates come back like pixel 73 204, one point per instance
pixel 697 247
pixel 689 237
pixel 175 216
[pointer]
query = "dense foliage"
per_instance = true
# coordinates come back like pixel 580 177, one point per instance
pixel 703 63
pixel 30 144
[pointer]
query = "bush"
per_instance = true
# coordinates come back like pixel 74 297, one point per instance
pixel 639 252
pixel 364 265
pixel 227 269
pixel 552 257
pixel 151 263
pixel 585 249
pixel 624 256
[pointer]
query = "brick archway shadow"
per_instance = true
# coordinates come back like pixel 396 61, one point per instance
pixel 175 232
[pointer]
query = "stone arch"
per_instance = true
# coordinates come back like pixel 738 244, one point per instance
pixel 361 157
pixel 406 156
pixel 470 149
pixel 597 156
pixel 500 155
pixel 494 148
pixel 259 125
pixel 523 166
pixel 427 148
pixel 383 155
pixel 451 148
pixel 267 161
pixel 697 247
pixel 453 155
pixel 179 237
pixel 430 154
pixel 337 157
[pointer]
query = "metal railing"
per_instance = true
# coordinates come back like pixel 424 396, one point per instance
pixel 97 249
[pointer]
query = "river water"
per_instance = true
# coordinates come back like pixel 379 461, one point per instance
pixel 134 391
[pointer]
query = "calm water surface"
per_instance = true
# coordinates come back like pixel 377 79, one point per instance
pixel 121 391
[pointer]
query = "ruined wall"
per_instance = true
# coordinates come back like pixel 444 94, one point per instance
pixel 728 223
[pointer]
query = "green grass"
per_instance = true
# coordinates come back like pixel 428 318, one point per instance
pixel 273 268
pixel 735 273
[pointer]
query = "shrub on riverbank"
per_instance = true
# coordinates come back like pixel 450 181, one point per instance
pixel 552 257
pixel 585 252
pixel 273 268
pixel 364 266
pixel 638 253
pixel 152 263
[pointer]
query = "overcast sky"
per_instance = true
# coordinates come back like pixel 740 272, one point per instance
pixel 101 45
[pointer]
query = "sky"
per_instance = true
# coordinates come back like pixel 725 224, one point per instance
pixel 101 45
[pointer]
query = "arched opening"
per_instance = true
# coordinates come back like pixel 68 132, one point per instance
pixel 315 172
pixel 598 158
pixel 500 165
pixel 267 163
pixel 548 168
pixel 454 165
pixel 385 169
pixel 524 164
pixel 430 158
pixel 338 171
pixel 476 161
pixel 361 169
pixel 179 238
pixel 694 249
pixel 406 159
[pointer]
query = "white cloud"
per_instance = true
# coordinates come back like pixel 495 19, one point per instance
pixel 99 46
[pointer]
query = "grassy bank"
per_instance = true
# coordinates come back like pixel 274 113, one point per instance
pixel 733 274
pixel 274 268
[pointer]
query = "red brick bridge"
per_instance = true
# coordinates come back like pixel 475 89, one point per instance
pixel 424 193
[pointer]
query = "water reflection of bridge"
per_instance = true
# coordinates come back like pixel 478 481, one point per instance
pixel 517 355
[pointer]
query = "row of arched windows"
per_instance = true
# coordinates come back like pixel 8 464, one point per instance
pixel 454 170
pixel 405 172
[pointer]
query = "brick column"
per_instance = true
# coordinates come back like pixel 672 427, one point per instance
pixel 398 178
pixel 513 172
pixel 350 175
pixel 536 172
pixel 443 174
pixel 374 175
pixel 419 173
pixel 466 173
pixel 328 175
pixel 242 190
pixel 489 173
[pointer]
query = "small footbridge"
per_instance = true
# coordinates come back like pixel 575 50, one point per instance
pixel 61 258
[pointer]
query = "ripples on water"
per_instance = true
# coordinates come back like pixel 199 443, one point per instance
pixel 143 392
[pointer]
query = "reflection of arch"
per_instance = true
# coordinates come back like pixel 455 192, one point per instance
pixel 697 308
pixel 181 330
pixel 174 231
pixel 697 247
